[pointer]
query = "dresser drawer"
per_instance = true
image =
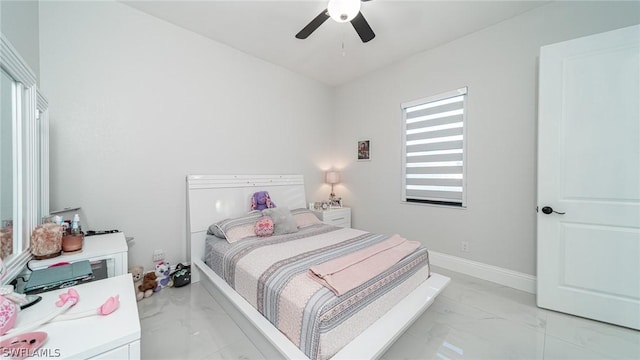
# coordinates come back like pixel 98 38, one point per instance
pixel 337 217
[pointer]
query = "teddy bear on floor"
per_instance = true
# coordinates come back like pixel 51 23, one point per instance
pixel 137 272
pixel 163 270
pixel 261 200
pixel 149 284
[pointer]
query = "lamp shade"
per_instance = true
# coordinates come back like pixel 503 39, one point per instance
pixel 332 177
pixel 343 10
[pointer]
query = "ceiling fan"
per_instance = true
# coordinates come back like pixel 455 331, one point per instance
pixel 341 11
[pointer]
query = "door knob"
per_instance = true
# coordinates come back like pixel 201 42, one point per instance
pixel 548 210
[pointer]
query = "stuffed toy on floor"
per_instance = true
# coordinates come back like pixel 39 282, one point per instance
pixel 149 284
pixel 163 270
pixel 137 272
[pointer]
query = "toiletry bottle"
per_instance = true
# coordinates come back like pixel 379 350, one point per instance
pixel 75 225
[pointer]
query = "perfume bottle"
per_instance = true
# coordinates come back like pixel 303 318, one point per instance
pixel 72 241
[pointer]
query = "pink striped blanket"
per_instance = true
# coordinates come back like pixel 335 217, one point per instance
pixel 272 275
pixel 354 269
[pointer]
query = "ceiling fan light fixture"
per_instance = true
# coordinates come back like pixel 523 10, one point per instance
pixel 343 10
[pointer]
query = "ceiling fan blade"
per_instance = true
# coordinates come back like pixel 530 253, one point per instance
pixel 362 28
pixel 313 25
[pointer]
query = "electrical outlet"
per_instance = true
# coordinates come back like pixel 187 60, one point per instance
pixel 464 246
pixel 158 255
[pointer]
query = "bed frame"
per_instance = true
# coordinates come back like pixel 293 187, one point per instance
pixel 212 198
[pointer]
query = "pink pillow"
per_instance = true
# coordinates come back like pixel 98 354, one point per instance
pixel 264 226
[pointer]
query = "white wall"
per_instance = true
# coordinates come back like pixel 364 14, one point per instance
pixel 136 104
pixel 499 65
pixel 19 23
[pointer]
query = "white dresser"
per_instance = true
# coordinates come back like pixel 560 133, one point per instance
pixel 110 247
pixel 336 216
pixel 114 336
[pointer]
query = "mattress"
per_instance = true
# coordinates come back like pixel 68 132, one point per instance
pixel 271 274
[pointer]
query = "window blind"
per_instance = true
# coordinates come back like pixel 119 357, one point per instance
pixel 434 149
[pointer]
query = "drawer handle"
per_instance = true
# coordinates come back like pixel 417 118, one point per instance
pixel 340 218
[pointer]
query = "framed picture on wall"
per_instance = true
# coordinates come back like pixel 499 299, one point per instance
pixel 364 150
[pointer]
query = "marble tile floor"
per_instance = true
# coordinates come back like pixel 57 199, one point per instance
pixel 471 319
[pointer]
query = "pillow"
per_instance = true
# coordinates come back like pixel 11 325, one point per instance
pixel 304 217
pixel 282 220
pixel 234 229
pixel 214 230
pixel 264 226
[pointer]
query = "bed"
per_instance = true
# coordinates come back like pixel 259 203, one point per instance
pixel 212 198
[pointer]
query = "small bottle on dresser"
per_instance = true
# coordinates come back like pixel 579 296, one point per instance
pixel 75 225
pixel 73 241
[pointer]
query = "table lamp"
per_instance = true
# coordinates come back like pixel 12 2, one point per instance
pixel 332 177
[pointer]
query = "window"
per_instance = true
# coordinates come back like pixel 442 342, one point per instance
pixel 433 149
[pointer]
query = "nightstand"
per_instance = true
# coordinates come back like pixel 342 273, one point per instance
pixel 114 336
pixel 109 247
pixel 336 216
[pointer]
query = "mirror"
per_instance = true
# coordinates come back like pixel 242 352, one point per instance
pixel 24 148
pixel 6 164
pixel 42 143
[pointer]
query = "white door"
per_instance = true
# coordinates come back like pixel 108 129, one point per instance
pixel 589 177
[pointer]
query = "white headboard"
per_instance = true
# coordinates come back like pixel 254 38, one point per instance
pixel 211 198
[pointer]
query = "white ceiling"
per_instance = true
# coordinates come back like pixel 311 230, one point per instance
pixel 333 54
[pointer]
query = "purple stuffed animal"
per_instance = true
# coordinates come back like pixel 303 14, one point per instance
pixel 163 269
pixel 261 200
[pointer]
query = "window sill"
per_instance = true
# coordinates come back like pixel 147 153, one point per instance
pixel 440 206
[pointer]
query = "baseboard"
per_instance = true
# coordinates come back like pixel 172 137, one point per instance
pixel 502 276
